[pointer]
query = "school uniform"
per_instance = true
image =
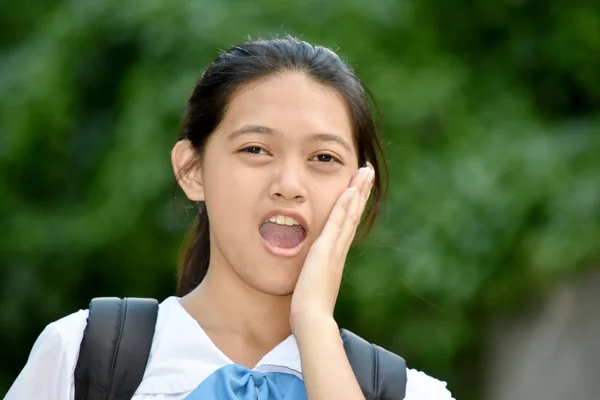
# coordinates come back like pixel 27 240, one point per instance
pixel 184 364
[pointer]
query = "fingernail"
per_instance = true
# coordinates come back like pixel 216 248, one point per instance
pixel 365 172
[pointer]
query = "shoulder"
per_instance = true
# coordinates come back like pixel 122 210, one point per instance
pixel 67 330
pixel 420 386
pixel 56 349
pixel 60 337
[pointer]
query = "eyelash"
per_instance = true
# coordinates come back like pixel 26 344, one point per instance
pixel 255 150
pixel 250 148
pixel 331 158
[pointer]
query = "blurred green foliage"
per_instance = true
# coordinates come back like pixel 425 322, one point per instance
pixel 490 114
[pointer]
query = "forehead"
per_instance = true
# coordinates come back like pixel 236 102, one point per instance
pixel 291 103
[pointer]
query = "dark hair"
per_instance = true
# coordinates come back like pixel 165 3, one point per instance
pixel 258 59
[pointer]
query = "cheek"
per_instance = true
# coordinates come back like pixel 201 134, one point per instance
pixel 229 189
pixel 232 192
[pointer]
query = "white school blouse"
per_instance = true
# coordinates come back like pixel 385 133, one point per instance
pixel 184 364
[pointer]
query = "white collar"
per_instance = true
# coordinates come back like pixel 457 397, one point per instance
pixel 183 355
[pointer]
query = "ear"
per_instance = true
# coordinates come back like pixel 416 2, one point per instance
pixel 368 164
pixel 188 170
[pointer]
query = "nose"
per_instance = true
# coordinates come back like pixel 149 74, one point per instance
pixel 288 184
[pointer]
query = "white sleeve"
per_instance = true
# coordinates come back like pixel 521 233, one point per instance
pixel 420 386
pixel 49 371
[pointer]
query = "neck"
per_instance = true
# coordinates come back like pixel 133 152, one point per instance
pixel 224 303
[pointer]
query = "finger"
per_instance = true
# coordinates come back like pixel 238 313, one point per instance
pixel 355 212
pixel 349 226
pixel 363 180
pixel 357 178
pixel 333 226
pixel 339 213
pixel 367 184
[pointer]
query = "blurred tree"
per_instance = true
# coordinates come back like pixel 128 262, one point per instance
pixel 489 113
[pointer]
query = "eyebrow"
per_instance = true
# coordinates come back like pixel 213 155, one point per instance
pixel 263 130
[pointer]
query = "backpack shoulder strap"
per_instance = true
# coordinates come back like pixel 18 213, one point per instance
pixel 381 374
pixel 118 337
pixel 115 348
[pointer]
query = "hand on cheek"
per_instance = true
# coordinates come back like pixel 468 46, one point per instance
pixel 319 281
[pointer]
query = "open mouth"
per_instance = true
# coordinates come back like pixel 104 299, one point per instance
pixel 282 234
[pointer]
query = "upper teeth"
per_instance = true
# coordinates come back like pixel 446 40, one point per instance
pixel 283 220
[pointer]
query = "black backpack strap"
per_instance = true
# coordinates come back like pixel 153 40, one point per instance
pixel 381 374
pixel 115 348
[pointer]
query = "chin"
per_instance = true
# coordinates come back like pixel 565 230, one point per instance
pixel 280 288
pixel 273 285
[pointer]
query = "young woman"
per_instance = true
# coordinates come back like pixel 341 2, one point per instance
pixel 279 150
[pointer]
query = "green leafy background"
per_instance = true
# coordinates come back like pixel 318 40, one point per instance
pixel 490 115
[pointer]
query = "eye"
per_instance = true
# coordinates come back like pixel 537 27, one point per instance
pixel 254 150
pixel 325 158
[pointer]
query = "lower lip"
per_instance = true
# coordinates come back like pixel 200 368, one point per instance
pixel 281 252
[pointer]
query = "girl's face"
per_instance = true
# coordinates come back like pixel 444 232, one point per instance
pixel 284 148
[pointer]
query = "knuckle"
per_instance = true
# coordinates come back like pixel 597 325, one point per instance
pixel 335 223
pixel 354 218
